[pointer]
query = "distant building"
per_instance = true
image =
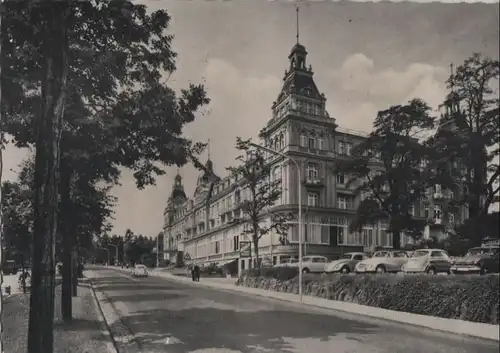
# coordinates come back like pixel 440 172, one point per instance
pixel 200 228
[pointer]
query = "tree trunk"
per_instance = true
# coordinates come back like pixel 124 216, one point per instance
pixel 256 252
pixel 74 268
pixel 41 316
pixel 396 240
pixel 67 243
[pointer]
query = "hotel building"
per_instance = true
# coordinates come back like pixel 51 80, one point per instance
pixel 200 228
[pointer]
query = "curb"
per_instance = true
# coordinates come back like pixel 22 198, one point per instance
pixel 451 326
pixel 103 318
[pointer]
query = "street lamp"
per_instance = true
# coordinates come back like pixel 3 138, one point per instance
pixel 116 251
pixel 299 190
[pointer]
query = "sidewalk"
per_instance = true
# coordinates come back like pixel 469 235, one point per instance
pixel 453 326
pixel 86 334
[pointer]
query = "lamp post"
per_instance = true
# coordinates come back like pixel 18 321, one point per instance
pixel 157 251
pixel 116 251
pixel 299 190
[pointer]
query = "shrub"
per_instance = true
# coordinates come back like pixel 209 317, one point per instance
pixel 471 298
pixel 279 273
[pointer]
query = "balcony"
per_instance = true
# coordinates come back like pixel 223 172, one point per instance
pixel 438 196
pixel 314 183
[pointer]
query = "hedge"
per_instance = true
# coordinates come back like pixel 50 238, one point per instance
pixel 470 298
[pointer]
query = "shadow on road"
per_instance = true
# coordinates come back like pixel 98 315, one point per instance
pixel 131 287
pixel 144 297
pixel 196 329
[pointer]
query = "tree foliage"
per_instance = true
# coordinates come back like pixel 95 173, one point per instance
pixel 17 206
pixel 263 190
pixel 387 168
pixel 467 144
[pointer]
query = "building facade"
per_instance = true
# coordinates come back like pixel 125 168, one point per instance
pixel 200 228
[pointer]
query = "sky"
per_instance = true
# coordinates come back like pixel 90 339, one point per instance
pixel 366 57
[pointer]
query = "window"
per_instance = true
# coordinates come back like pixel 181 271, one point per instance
pixel 312 143
pixel 367 236
pixel 341 231
pixel 451 218
pixel 321 143
pixel 312 172
pixel 341 148
pixel 341 202
pixel 412 211
pixel 303 140
pixel 318 260
pixel 312 199
pixel 341 178
pixel 437 254
pixel 426 212
pixel 437 213
pixel 348 149
pixel 236 242
pixel 282 141
pixel 357 257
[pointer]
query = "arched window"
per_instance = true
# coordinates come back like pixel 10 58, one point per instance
pixel 312 172
pixel 282 141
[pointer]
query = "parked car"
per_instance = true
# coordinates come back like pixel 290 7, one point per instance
pixel 312 264
pixel 347 263
pixel 480 260
pixel 140 271
pixel 430 261
pixel 287 262
pixel 9 267
pixel 383 261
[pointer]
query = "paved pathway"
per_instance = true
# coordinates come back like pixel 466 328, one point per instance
pixel 85 335
pixel 159 315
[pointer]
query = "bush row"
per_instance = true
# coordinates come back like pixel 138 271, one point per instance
pixel 470 298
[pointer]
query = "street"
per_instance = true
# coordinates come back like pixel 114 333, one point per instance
pixel 163 314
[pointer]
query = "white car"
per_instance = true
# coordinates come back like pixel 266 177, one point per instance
pixel 312 264
pixel 347 263
pixel 430 261
pixel 140 271
pixel 383 261
pixel 287 262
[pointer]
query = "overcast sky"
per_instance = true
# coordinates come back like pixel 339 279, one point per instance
pixel 365 56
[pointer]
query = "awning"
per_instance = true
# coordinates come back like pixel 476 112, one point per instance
pixel 225 262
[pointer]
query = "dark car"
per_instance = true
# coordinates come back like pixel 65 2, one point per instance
pixel 9 267
pixel 480 260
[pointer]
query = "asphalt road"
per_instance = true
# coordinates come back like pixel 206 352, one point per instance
pixel 167 316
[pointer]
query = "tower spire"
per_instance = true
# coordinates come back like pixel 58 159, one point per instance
pixel 452 83
pixel 297 11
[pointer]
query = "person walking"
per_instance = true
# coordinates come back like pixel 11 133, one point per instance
pixel 197 272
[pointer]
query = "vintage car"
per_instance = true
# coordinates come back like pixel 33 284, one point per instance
pixel 430 261
pixel 287 262
pixel 383 261
pixel 312 264
pixel 347 263
pixel 140 271
pixel 480 260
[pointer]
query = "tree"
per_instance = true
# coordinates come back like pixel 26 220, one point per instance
pixel 467 142
pixel 18 220
pixel 263 191
pixel 120 113
pixel 387 169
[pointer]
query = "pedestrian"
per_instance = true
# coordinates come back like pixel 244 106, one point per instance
pixel 193 274
pixel 197 272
